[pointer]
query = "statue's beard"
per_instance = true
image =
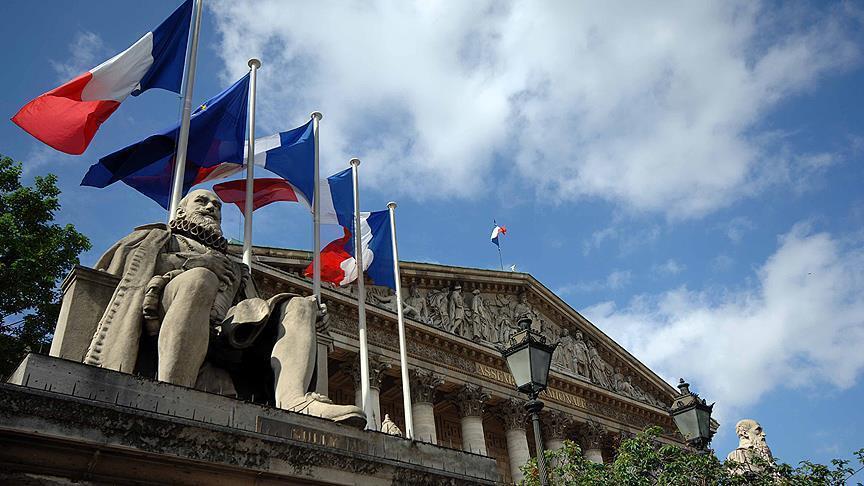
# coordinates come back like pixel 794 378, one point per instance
pixel 205 221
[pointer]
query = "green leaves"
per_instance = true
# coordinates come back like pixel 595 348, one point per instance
pixel 35 254
pixel 645 460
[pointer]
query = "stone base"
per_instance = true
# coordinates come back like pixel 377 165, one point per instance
pixel 66 421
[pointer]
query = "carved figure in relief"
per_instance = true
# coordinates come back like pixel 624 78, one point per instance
pixel 188 314
pixel 580 352
pixel 415 305
pixel 617 380
pixel 597 366
pixel 437 300
pixel 480 318
pixel 751 444
pixel 568 352
pixel 456 311
pixel 523 308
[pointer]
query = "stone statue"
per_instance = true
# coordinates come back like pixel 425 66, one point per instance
pixel 580 352
pixel 523 308
pixel 597 366
pixel 389 427
pixel 480 319
pixel 437 300
pixel 565 350
pixel 618 381
pixel 188 314
pixel 415 305
pixel 456 311
pixel 751 445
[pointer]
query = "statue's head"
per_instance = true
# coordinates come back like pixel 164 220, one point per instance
pixel 413 291
pixel 202 207
pixel 578 335
pixel 750 434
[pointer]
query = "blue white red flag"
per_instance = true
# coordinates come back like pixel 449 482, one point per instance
pixel 66 118
pixel 496 232
pixel 266 191
pixel 338 265
pixel 217 131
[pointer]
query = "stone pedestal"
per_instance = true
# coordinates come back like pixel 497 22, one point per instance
pixel 423 384
pixel 469 401
pixel 66 422
pixel 86 293
pixel 513 414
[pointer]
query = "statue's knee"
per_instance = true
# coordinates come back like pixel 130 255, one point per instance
pixel 199 280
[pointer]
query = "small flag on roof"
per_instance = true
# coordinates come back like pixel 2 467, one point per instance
pixel 496 232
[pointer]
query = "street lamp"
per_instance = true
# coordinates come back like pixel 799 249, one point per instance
pixel 529 356
pixel 692 416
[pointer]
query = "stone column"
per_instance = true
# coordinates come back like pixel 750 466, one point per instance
pixel 377 367
pixel 512 413
pixel 470 401
pixel 557 426
pixel 325 345
pixel 423 384
pixel 593 435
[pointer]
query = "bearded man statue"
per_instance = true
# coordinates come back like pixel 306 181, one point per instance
pixel 751 444
pixel 187 314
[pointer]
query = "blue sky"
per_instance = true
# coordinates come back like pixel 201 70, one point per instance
pixel 687 176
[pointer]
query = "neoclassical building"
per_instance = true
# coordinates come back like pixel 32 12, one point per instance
pixel 462 392
pixel 64 420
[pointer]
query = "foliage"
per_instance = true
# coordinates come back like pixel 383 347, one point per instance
pixel 35 254
pixel 643 460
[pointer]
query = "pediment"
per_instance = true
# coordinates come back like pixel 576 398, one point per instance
pixel 483 306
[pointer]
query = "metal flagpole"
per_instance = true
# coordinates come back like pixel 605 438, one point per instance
pixel 361 303
pixel 316 214
pixel 254 64
pixel 403 353
pixel 183 135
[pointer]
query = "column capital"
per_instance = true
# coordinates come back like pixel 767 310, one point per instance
pixel 377 366
pixel 556 424
pixel 593 435
pixel 470 400
pixel 423 385
pixel 512 413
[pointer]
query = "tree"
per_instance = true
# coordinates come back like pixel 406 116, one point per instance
pixel 643 460
pixel 35 254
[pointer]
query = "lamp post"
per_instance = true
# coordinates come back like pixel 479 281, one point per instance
pixel 692 416
pixel 529 356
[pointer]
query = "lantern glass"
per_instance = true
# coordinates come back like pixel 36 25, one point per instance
pixel 519 362
pixel 541 359
pixel 688 423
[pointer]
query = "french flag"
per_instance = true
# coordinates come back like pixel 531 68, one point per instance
pixel 338 265
pixel 288 154
pixel 266 191
pixel 496 232
pixel 66 118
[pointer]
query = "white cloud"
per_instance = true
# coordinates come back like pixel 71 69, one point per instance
pixel 652 106
pixel 802 325
pixel 86 51
pixel 669 267
pixel 616 280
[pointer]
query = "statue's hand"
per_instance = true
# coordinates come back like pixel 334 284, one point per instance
pixel 323 318
pixel 214 261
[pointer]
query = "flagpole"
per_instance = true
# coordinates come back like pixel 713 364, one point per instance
pixel 183 135
pixel 361 302
pixel 403 349
pixel 254 64
pixel 500 260
pixel 316 214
